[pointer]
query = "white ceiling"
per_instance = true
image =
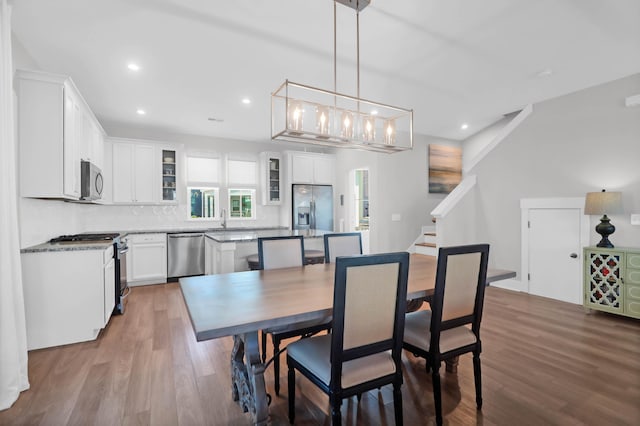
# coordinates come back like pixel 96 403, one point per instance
pixel 453 61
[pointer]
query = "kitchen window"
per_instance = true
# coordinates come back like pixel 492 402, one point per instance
pixel 203 178
pixel 242 203
pixel 242 178
pixel 203 203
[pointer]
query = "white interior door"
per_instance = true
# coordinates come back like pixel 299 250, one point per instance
pixel 555 253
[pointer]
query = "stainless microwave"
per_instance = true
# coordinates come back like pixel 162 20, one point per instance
pixel 91 181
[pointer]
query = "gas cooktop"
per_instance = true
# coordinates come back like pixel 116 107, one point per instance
pixel 83 238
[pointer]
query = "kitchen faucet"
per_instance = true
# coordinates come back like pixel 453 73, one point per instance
pixel 223 213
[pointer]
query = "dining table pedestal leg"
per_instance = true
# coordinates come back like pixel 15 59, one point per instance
pixel 247 376
pixel 451 364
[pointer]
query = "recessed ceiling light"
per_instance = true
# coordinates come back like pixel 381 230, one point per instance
pixel 464 126
pixel 545 73
pixel 140 111
pixel 246 101
pixel 133 67
pixel 374 112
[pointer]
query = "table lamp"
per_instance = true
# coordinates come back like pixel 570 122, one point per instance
pixel 601 203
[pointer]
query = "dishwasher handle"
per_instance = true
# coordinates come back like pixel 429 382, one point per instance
pixel 187 235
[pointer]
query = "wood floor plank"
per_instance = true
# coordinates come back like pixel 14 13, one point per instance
pixel 543 362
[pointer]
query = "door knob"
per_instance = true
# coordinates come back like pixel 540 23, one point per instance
pixel 573 255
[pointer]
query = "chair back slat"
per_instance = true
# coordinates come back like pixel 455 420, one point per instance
pixel 280 252
pixel 343 244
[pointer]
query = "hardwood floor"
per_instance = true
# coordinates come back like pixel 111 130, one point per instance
pixel 544 362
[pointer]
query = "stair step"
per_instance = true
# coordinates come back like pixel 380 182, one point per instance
pixel 422 248
pixel 430 234
pixel 426 245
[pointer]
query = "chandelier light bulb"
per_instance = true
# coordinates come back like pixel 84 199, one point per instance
pixel 296 113
pixel 347 125
pixel 322 120
pixel 390 132
pixel 368 134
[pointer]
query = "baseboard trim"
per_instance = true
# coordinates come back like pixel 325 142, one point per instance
pixel 515 285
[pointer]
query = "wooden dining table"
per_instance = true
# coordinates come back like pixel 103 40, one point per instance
pixel 240 304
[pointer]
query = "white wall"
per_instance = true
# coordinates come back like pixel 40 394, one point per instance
pixel 474 145
pixel 567 147
pixel 398 185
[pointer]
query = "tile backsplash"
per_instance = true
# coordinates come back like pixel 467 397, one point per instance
pixel 41 220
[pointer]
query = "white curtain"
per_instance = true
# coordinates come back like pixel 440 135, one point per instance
pixel 13 338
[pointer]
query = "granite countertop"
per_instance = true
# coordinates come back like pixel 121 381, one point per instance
pixel 202 230
pixel 217 234
pixel 246 235
pixel 68 246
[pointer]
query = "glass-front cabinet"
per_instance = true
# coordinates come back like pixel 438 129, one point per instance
pixel 272 178
pixel 169 175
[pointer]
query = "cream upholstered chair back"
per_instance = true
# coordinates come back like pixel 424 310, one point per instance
pixel 280 252
pixel 459 292
pixel 370 304
pixel 344 244
pixel 370 295
pixel 461 286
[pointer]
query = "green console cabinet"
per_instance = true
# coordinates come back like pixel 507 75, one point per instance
pixel 612 280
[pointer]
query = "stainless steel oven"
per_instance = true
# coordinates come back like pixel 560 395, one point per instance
pixel 122 289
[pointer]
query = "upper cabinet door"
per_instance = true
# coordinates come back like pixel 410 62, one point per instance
pixel 312 168
pixel 271 178
pixel 146 184
pixel 122 173
pixel 323 170
pixel 71 146
pixel 302 169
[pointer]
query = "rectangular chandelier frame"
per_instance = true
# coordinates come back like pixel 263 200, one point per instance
pixel 306 114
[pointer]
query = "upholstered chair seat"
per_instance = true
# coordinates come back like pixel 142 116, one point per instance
pixel 414 333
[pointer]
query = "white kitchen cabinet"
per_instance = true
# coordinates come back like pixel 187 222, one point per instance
pixel 140 173
pixel 301 169
pixel 133 173
pixel 93 147
pixel 55 128
pixel 65 295
pixel 147 259
pixel 311 168
pixel 323 170
pixel 219 257
pixel 271 180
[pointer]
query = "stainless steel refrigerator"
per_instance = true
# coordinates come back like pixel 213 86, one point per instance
pixel 312 207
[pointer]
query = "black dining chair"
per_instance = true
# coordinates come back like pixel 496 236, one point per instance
pixel 364 349
pixel 341 244
pixel 285 252
pixel 452 326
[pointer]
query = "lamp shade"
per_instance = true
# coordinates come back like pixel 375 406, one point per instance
pixel 598 203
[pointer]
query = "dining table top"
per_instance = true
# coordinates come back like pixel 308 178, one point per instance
pixel 240 302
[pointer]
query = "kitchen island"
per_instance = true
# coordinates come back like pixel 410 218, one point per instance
pixel 227 251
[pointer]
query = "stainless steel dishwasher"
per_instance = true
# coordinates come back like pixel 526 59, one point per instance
pixel 185 254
